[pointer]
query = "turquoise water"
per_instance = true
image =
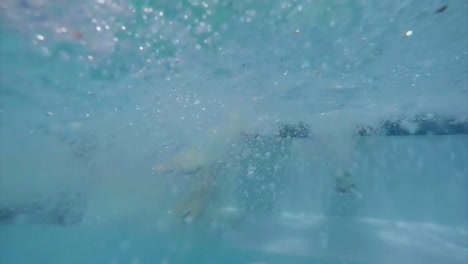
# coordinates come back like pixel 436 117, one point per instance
pixel 173 131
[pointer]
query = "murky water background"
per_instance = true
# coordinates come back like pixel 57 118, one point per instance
pixel 96 96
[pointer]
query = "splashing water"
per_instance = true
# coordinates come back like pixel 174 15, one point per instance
pixel 245 131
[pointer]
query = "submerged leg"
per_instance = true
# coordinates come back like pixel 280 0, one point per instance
pixel 197 202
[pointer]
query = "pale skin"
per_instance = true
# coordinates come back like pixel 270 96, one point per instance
pixel 202 160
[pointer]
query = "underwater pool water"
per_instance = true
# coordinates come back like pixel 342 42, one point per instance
pixel 298 131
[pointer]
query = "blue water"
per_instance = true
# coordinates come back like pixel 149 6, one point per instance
pixel 150 131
